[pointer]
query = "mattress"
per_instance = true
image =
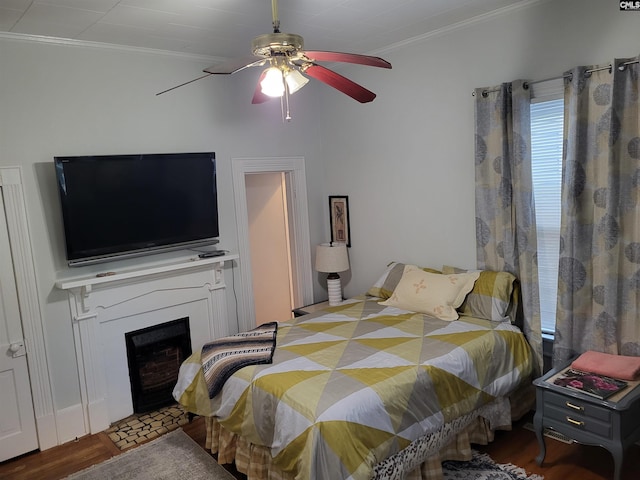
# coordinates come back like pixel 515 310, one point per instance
pixel 357 383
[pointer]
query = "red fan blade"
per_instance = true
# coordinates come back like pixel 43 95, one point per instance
pixel 341 83
pixel 258 96
pixel 347 58
pixel 234 65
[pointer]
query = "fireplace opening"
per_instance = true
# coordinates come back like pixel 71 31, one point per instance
pixel 154 355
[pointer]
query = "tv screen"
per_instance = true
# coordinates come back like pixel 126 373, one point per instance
pixel 128 205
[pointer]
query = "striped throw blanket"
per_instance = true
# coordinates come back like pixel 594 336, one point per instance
pixel 224 356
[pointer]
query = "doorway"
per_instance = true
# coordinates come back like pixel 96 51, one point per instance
pixel 273 240
pixel 269 242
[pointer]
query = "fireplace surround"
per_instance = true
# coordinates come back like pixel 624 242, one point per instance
pixel 154 356
pixel 105 308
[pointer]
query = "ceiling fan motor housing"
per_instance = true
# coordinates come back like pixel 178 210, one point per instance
pixel 271 44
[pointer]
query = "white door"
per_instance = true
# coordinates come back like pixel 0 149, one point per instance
pixel 17 422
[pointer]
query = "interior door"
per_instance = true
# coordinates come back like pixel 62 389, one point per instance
pixel 17 421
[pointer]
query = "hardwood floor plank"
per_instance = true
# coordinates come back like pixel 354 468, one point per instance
pixel 562 461
pixel 63 460
pixel 518 446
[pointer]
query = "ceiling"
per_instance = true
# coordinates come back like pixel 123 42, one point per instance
pixel 224 28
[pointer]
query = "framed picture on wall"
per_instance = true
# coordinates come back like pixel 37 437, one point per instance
pixel 339 219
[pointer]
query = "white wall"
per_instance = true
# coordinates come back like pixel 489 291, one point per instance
pixel 406 161
pixel 75 100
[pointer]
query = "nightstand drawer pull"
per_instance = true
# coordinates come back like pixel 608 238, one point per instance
pixel 575 407
pixel 575 422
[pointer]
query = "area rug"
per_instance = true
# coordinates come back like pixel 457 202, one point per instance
pixel 482 467
pixel 173 456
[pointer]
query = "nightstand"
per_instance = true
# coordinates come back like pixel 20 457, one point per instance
pixel 313 308
pixel 613 423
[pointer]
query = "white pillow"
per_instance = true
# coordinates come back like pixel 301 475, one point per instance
pixel 431 293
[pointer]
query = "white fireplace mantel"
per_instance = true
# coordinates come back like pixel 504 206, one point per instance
pixel 105 307
pixel 85 285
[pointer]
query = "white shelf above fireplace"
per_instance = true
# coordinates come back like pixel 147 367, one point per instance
pixel 83 286
pixel 131 273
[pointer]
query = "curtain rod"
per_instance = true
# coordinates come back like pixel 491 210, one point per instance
pixel 526 85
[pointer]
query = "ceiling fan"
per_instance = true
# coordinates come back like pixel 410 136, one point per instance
pixel 289 65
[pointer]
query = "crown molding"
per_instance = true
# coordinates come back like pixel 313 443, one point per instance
pixel 23 37
pixel 457 26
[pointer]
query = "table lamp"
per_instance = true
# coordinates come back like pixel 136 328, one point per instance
pixel 332 258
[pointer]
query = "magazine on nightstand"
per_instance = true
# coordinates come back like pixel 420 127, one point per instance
pixel 590 383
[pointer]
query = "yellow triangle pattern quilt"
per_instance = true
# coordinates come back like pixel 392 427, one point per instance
pixel 355 384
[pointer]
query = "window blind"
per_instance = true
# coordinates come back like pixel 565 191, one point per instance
pixel 547 118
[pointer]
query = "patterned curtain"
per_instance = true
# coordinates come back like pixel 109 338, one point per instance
pixel 599 274
pixel 505 214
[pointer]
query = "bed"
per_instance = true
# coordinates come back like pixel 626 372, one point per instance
pixel 372 388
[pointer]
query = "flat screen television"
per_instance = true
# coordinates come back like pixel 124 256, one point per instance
pixel 118 206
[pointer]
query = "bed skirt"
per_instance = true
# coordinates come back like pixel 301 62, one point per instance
pixel 421 460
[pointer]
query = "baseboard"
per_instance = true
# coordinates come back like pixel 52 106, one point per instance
pixel 47 431
pixel 70 424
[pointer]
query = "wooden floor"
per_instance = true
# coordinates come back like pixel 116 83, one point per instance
pixel 519 446
pixel 562 461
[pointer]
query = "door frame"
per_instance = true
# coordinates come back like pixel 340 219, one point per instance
pixel 295 180
pixel 11 189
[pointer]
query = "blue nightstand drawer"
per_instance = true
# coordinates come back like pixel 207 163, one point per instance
pixel 578 423
pixel 573 406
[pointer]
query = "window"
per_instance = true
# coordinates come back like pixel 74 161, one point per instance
pixel 547 118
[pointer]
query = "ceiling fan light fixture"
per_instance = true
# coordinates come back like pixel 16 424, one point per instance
pixel 291 67
pixel 273 83
pixel 295 80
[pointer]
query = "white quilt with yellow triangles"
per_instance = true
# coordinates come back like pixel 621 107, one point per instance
pixel 352 385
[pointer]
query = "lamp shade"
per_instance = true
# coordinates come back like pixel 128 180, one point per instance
pixel 295 80
pixel 332 258
pixel 272 84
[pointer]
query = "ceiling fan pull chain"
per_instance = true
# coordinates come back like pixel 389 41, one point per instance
pixel 282 108
pixel 286 99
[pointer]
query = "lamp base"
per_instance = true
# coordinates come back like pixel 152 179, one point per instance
pixel 334 287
